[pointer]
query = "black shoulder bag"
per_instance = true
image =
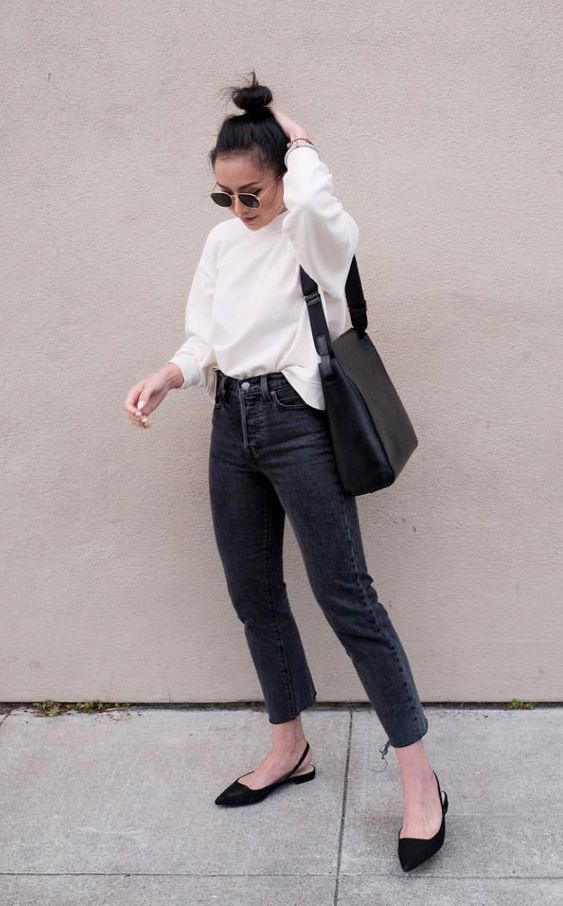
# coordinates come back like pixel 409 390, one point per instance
pixel 371 433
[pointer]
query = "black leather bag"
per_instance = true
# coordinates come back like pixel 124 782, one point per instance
pixel 371 433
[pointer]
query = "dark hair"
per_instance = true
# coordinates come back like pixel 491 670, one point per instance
pixel 255 132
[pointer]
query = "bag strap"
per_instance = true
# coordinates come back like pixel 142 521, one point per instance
pixel 356 306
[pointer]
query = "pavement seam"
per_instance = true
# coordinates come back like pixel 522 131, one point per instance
pixel 343 809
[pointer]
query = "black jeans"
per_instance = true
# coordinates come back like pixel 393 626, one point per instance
pixel 270 455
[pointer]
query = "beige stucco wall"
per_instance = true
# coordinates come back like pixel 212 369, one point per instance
pixel 442 126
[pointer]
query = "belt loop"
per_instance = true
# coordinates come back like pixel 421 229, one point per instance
pixel 264 387
pixel 220 380
pixel 242 414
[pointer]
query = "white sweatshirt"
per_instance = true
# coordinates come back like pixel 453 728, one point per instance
pixel 245 312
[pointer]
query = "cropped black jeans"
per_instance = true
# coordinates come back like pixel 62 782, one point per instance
pixel 270 455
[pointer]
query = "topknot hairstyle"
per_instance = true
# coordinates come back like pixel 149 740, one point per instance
pixel 255 132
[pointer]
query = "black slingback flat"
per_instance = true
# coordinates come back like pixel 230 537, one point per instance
pixel 413 850
pixel 239 794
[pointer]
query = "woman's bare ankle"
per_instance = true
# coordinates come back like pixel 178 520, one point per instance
pixel 288 738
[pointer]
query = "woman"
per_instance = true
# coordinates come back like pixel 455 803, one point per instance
pixel 249 344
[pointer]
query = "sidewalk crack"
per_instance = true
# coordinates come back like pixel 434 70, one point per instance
pixel 343 809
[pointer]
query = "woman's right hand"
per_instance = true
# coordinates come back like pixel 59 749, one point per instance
pixel 147 394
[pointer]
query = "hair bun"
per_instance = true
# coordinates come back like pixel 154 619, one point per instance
pixel 253 98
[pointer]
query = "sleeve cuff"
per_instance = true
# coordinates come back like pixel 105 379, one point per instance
pixel 295 148
pixel 189 368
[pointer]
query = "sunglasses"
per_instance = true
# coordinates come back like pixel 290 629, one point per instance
pixel 225 200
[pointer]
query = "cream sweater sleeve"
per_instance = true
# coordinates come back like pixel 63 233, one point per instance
pixel 193 354
pixel 324 236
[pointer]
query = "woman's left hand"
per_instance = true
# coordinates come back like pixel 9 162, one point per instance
pixel 289 126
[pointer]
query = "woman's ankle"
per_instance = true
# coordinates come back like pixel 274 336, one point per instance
pixel 288 737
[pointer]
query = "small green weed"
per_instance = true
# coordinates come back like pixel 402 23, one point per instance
pixel 50 708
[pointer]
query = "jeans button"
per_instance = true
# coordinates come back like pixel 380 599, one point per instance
pixel 245 385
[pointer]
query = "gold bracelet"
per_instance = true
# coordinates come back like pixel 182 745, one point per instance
pixel 300 139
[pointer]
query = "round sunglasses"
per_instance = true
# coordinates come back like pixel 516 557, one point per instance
pixel 225 199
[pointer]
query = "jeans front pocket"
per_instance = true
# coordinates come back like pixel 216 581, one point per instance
pixel 286 397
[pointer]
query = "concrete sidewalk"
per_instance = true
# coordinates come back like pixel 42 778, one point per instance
pixel 118 808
